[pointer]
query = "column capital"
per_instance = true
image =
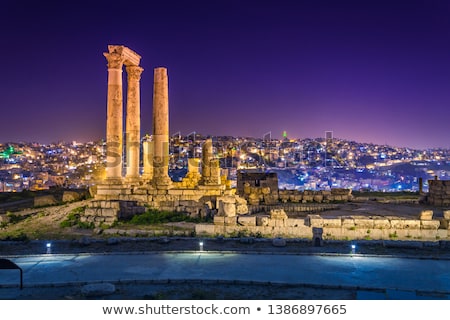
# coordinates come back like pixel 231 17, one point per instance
pixel 134 73
pixel 115 60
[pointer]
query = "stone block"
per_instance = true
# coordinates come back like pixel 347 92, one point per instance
pixel 318 198
pixel 262 221
pixel 426 215
pixel 253 199
pixel 270 199
pixel 405 224
pixel 113 204
pixel 446 214
pixel 332 222
pixel 108 212
pixel 175 192
pixel 315 221
pixel 348 223
pixel 246 220
pixel 241 208
pixel 224 221
pixel 69 196
pixel 296 222
pixel 363 223
pixel 42 201
pixel 140 191
pixel 277 223
pixel 278 214
pixel 381 224
pixel 265 190
pixel 341 191
pixel 430 224
pixel 227 209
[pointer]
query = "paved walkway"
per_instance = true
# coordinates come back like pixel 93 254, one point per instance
pixel 395 274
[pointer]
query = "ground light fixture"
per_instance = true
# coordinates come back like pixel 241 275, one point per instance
pixel 353 246
pixel 200 245
pixel 49 247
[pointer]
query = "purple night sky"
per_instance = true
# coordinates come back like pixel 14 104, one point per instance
pixel 370 71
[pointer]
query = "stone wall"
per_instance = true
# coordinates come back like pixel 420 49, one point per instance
pixel 439 192
pixel 293 207
pixel 265 195
pixel 276 224
pixel 257 187
pixel 202 201
pixel 102 212
pixel 320 196
pixel 43 201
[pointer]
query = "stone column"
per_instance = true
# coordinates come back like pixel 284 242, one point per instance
pixel 133 123
pixel 207 156
pixel 161 128
pixel 114 126
pixel 147 147
pixel 210 166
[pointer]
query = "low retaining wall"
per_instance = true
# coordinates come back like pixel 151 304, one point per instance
pixel 338 228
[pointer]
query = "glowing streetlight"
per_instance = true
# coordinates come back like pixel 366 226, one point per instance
pixel 49 247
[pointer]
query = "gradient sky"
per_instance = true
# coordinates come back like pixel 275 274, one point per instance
pixel 370 71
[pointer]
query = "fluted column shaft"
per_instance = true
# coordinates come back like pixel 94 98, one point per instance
pixel 133 122
pixel 161 127
pixel 114 126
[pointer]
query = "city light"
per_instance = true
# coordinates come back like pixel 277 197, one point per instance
pixel 300 164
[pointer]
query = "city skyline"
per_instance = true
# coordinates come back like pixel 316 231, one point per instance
pixel 374 72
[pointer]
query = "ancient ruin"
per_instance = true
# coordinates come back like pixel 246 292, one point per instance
pixel 198 194
pixel 117 57
pixel 255 207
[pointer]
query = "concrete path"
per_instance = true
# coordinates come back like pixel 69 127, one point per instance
pixel 355 271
